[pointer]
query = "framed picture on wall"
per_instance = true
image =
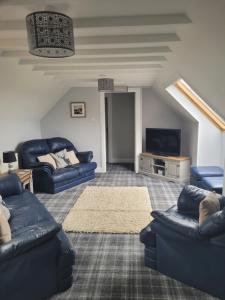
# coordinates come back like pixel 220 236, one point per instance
pixel 78 110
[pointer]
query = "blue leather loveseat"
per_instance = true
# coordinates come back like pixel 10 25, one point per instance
pixel 177 246
pixel 45 178
pixel 208 178
pixel 38 261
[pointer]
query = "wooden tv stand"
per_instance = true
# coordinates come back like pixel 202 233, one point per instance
pixel 172 168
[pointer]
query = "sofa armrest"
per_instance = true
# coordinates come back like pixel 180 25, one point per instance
pixel 32 237
pixel 218 240
pixel 40 166
pixel 181 224
pixel 85 157
pixel 214 225
pixel 189 200
pixel 10 185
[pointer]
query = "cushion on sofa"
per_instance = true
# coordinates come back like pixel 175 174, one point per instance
pixel 5 232
pixel 61 159
pixel 71 156
pixel 47 158
pixel 4 209
pixel 208 206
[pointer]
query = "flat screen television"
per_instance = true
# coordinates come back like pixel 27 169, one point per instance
pixel 163 141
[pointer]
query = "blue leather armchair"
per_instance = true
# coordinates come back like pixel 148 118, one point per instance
pixel 177 246
pixel 45 178
pixel 38 261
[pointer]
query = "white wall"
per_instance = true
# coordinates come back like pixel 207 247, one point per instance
pixel 14 131
pixel 199 57
pixel 84 133
pixel 190 139
pixel 120 127
pixel 23 101
pixel 157 114
pixel 209 146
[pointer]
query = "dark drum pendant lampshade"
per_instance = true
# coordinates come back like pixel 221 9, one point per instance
pixel 50 34
pixel 9 157
pixel 105 85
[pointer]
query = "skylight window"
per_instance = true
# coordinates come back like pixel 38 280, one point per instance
pixel 184 88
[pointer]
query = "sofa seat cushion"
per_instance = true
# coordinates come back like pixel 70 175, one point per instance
pixel 31 224
pixel 212 184
pixel 64 174
pixel 26 211
pixel 204 171
pixel 86 167
pixel 74 171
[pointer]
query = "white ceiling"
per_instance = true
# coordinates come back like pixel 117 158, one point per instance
pixel 109 36
pixel 136 42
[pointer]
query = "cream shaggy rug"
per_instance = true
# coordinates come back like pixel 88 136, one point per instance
pixel 110 210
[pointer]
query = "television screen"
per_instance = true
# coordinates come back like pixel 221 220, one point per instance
pixel 163 141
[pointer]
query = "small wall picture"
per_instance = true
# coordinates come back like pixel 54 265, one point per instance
pixel 78 110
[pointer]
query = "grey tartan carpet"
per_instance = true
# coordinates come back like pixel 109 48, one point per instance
pixel 110 266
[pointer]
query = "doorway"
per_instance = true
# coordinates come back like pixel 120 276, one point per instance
pixel 138 128
pixel 120 129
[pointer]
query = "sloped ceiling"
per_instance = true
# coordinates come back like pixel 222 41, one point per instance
pixel 138 43
pixel 200 58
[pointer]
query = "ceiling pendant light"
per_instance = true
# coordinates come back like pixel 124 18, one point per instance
pixel 50 34
pixel 105 85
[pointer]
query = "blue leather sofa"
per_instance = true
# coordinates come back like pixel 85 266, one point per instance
pixel 177 246
pixel 45 178
pixel 207 177
pixel 39 259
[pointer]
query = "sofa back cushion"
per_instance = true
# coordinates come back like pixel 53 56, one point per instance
pixel 58 144
pixel 30 150
pixel 190 198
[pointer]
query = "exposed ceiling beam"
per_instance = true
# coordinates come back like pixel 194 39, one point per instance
pixel 96 74
pixel 141 20
pixel 104 67
pixel 93 61
pixel 81 74
pixel 114 52
pixel 127 39
pixel 86 41
pixel 121 21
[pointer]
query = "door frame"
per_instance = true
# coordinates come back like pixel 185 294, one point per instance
pixel 138 128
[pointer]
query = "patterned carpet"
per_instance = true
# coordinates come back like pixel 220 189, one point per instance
pixel 110 266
